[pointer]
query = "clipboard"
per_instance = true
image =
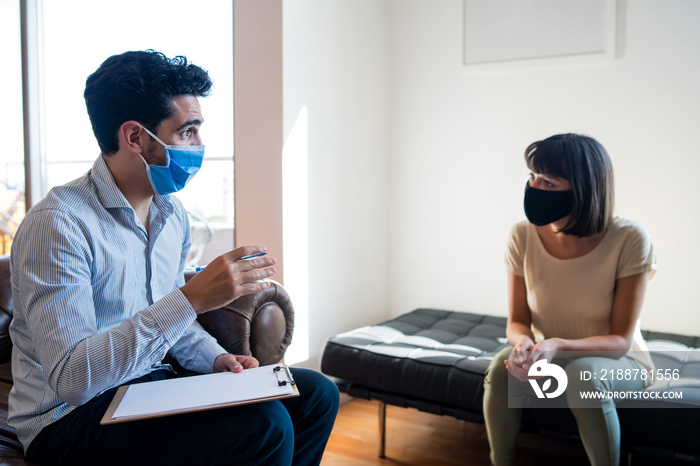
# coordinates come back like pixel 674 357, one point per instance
pixel 200 393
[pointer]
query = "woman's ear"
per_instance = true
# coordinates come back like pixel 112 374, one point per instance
pixel 130 134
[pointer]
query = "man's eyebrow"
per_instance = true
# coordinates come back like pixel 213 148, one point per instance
pixel 196 122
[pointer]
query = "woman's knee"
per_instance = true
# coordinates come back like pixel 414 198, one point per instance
pixel 497 373
pixel 583 375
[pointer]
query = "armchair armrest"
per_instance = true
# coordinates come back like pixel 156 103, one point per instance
pixel 259 325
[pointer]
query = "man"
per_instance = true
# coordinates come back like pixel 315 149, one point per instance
pixel 99 295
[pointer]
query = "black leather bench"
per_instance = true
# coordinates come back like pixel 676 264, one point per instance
pixel 435 360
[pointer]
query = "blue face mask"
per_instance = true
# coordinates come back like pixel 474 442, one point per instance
pixel 183 162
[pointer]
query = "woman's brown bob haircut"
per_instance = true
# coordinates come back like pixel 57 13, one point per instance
pixel 585 163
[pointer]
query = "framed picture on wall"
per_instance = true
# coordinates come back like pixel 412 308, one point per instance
pixel 530 32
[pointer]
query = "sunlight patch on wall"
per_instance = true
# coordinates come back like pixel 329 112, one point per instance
pixel 295 235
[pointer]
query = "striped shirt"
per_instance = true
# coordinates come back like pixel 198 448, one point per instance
pixel 96 299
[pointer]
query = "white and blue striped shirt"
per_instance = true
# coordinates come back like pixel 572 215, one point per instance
pixel 96 299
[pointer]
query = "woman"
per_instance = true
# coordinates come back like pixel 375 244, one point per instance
pixel 576 282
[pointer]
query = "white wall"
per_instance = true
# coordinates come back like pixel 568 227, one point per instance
pixel 457 168
pixel 415 166
pixel 336 66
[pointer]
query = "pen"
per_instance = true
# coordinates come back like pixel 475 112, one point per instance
pixel 244 258
pixel 199 269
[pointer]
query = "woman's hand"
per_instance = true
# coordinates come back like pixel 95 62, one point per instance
pixel 526 353
pixel 546 349
pixel 518 371
pixel 519 356
pixel 522 347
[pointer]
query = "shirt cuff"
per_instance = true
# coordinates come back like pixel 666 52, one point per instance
pixel 205 356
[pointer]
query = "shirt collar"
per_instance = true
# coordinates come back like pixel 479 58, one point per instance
pixel 107 190
pixel 110 195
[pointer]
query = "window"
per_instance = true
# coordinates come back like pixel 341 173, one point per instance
pixel 12 165
pixel 76 37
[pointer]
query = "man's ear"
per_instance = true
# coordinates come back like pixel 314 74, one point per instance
pixel 130 136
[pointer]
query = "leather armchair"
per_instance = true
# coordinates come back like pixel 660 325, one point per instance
pixel 260 325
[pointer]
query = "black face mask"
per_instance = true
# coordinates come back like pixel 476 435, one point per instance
pixel 544 207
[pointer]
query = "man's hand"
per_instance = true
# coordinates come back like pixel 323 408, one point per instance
pixel 229 363
pixel 228 278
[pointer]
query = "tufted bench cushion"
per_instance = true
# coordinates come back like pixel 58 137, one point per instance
pixel 434 355
pixel 435 361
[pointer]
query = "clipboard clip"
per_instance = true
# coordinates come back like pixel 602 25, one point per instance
pixel 281 382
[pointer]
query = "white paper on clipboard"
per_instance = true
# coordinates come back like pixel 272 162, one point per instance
pixel 209 391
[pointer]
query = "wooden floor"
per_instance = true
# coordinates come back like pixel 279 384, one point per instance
pixel 420 439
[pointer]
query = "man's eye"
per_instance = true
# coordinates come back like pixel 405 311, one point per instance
pixel 187 133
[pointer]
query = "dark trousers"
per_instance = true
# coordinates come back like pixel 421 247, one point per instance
pixel 282 432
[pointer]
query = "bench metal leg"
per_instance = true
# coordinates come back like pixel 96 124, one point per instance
pixel 382 428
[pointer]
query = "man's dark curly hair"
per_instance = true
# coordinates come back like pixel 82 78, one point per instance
pixel 138 86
